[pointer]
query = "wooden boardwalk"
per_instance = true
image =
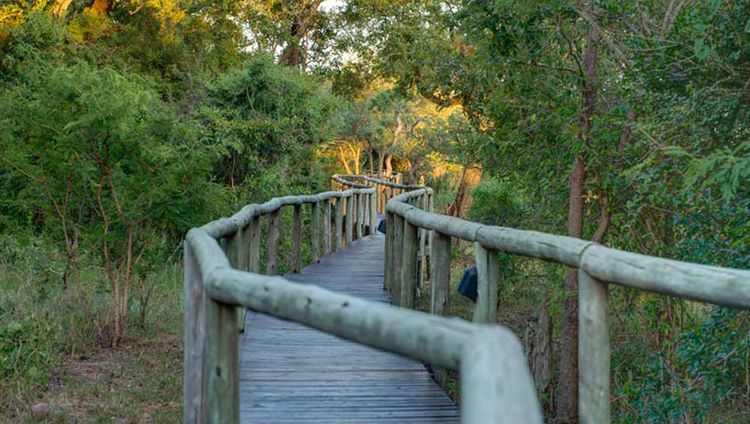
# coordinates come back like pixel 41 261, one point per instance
pixel 294 374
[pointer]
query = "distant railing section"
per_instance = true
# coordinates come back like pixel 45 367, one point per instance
pixel 222 265
pixel 409 214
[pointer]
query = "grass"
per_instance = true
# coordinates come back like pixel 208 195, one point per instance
pixel 53 365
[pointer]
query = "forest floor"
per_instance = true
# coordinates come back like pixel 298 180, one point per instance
pixel 57 371
pixel 140 382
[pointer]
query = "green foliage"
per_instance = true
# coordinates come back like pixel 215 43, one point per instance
pixel 498 202
pixel 708 367
pixel 264 116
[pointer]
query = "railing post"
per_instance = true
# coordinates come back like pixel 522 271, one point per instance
pixel 409 266
pixel 373 213
pixel 194 339
pixel 315 230
pixel 296 238
pixel 339 222
pixel 388 266
pixel 440 281
pixel 272 242
pixel 327 245
pixel 422 268
pixel 396 257
pixel 349 219
pixel 360 215
pixel 593 350
pixel 221 368
pixel 236 249
pixel 440 273
pixel 485 310
pixel 254 248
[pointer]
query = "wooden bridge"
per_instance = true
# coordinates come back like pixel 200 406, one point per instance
pixel 291 362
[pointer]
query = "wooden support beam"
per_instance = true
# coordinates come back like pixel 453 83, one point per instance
pixel 236 250
pixel 360 224
pixel 397 256
pixel 422 261
pixel 593 350
pixel 272 242
pixel 315 231
pixel 440 282
pixel 339 223
pixel 373 213
pixel 440 274
pixel 221 367
pixel 194 338
pixel 488 275
pixel 254 245
pixel 389 248
pixel 327 245
pixel 409 266
pixel 349 219
pixel 297 239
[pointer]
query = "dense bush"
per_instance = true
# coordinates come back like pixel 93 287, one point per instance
pixel 268 121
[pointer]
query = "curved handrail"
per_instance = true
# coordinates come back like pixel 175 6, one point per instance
pixel 720 286
pixel 407 221
pixel 496 384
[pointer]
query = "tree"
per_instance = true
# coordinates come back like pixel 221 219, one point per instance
pixel 109 169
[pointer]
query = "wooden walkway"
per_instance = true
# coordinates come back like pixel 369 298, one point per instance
pixel 294 374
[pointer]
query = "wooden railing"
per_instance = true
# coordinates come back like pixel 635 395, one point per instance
pixel 409 214
pixel 222 264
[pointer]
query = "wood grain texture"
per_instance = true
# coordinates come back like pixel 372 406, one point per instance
pixel 293 374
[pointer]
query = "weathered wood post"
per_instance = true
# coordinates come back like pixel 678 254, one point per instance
pixel 327 245
pixel 221 367
pixel 339 222
pixel 485 310
pixel 422 261
pixel 388 266
pixel 360 215
pixel 236 250
pixel 272 242
pixel 254 248
pixel 194 338
pixel 397 228
pixel 373 213
pixel 383 197
pixel 440 281
pixel 593 350
pixel 349 218
pixel 315 230
pixel 297 238
pixel 378 196
pixel 440 274
pixel 409 266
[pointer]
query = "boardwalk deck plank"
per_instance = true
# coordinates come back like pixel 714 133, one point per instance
pixel 294 374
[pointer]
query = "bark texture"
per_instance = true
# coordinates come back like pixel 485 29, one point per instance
pixel 567 399
pixel 469 179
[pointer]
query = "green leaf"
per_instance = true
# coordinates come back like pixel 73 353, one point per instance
pixel 701 49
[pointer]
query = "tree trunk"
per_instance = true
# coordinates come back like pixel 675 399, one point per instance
pixel 469 179
pixel 567 399
pixel 388 164
pixel 60 7
pixel 101 7
pixel 294 54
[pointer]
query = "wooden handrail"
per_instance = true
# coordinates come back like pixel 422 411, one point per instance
pixel 222 259
pixel 598 266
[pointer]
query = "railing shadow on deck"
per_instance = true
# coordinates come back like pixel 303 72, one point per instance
pixel 495 381
pixel 222 261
